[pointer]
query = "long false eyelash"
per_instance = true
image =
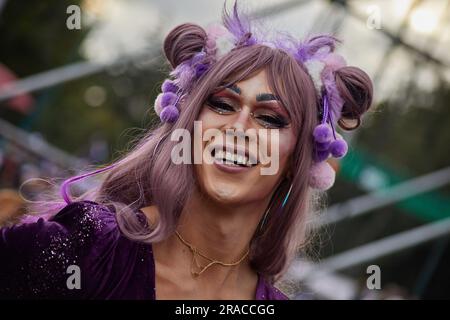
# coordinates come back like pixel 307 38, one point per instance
pixel 219 103
pixel 279 121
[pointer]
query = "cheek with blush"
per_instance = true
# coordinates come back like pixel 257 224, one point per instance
pixel 244 187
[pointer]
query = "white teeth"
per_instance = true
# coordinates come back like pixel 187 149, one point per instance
pixel 218 155
pixel 241 160
pixel 230 158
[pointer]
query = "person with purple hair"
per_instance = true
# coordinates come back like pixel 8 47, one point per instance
pixel 155 229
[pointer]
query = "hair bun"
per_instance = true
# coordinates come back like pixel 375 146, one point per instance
pixel 356 89
pixel 183 42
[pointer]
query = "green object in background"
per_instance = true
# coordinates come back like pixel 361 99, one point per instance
pixel 361 169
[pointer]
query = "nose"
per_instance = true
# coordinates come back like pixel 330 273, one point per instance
pixel 239 125
pixel 242 121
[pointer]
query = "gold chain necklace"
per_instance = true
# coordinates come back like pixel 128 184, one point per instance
pixel 196 253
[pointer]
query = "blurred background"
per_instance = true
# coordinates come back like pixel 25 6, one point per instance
pixel 75 92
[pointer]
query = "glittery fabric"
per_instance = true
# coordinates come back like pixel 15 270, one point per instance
pixel 35 257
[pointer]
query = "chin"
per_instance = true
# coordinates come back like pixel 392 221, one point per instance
pixel 223 191
pixel 229 194
pixel 223 187
pixel 231 184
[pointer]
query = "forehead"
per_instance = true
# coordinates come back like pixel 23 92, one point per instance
pixel 255 85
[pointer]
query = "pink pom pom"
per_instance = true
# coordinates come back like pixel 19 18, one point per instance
pixel 334 61
pixel 169 114
pixel 157 105
pixel 216 30
pixel 321 176
pixel 322 133
pixel 210 44
pixel 338 148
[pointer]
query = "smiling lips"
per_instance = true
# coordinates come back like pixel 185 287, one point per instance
pixel 233 162
pixel 232 159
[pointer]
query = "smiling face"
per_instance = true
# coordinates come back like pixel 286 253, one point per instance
pixel 247 105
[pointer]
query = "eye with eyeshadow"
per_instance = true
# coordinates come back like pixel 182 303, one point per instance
pixel 264 117
pixel 220 105
pixel 271 121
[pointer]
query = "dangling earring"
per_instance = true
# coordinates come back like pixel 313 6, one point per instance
pixel 286 197
pixel 263 221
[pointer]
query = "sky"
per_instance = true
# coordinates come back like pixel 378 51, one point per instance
pixel 122 27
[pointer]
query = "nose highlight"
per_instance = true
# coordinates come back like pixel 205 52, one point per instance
pixel 241 122
pixel 238 128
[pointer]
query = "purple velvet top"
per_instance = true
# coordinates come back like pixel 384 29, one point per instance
pixel 34 259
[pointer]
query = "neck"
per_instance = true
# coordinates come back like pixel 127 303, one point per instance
pixel 220 231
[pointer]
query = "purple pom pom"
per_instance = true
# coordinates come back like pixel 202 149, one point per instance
pixel 168 98
pixel 169 86
pixel 198 57
pixel 320 156
pixel 200 69
pixel 322 146
pixel 338 148
pixel 169 114
pixel 322 133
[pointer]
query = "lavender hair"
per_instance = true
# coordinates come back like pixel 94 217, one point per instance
pixel 146 176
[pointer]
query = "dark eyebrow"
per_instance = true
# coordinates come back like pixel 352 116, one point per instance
pixel 259 97
pixel 235 88
pixel 266 97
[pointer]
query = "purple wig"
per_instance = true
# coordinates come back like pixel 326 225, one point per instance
pixel 146 176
